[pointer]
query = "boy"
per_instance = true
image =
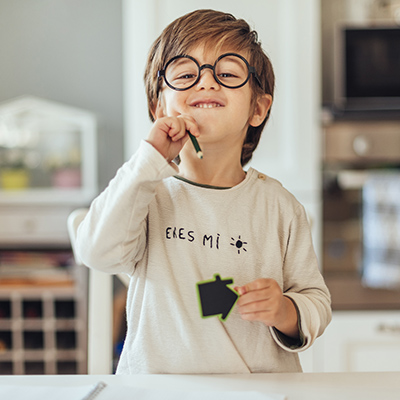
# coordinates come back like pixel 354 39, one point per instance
pixel 172 227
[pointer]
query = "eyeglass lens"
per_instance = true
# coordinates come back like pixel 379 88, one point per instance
pixel 231 71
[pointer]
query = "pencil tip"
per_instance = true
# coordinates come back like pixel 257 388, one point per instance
pixel 200 155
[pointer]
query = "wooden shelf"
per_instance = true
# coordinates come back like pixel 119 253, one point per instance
pixel 43 328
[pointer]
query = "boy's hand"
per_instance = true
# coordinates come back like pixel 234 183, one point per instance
pixel 168 134
pixel 263 300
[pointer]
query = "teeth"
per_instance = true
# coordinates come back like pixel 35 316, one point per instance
pixel 207 105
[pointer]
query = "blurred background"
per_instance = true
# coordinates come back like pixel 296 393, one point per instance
pixel 68 51
pixel 73 109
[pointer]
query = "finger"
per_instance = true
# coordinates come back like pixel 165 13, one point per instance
pixel 255 307
pixel 190 124
pixel 258 284
pixel 265 311
pixel 262 316
pixel 255 296
pixel 178 131
pixel 169 126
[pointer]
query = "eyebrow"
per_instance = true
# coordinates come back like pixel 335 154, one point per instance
pixel 179 61
pixel 235 60
pixel 181 58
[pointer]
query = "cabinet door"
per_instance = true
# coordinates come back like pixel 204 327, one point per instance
pixel 47 153
pixel 362 341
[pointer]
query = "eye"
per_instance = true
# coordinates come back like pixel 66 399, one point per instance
pixel 231 70
pixel 181 71
pixel 186 76
pixel 227 75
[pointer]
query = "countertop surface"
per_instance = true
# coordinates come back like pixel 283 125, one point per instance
pixel 348 293
pixel 294 386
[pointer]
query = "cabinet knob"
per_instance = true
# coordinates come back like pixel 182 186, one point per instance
pixel 361 145
pixel 389 328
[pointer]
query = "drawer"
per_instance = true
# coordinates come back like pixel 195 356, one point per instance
pixel 362 341
pixel 362 142
pixel 33 225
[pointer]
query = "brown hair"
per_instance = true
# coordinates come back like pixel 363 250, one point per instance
pixel 215 30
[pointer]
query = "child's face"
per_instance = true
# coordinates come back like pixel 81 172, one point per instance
pixel 221 113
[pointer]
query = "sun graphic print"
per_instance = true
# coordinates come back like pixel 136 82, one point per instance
pixel 239 244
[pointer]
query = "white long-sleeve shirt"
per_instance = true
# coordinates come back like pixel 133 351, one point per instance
pixel 169 234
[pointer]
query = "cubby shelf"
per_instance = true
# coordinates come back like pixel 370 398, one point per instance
pixel 43 329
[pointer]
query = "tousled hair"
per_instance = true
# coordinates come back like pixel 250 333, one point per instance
pixel 215 30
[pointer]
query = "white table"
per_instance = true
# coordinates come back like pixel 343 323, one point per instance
pixel 298 386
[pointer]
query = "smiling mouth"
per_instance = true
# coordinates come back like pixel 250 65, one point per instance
pixel 207 105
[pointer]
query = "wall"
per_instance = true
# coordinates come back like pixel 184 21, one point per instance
pixel 69 51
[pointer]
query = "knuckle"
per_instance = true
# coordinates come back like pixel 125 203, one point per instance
pixel 259 283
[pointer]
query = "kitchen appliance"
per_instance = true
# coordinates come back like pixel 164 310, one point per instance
pixel 367 67
pixel 353 152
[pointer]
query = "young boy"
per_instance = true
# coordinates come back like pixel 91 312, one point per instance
pixel 172 227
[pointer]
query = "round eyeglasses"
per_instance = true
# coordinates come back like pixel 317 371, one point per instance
pixel 230 70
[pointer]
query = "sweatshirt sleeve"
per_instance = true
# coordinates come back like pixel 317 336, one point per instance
pixel 304 285
pixel 112 236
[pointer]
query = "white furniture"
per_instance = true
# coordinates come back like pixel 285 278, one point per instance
pixel 296 386
pixel 361 341
pixel 357 341
pixel 50 151
pixel 43 328
pixel 48 168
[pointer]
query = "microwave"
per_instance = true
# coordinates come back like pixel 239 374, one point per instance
pixel 367 68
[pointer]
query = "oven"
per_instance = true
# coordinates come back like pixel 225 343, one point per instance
pixel 367 64
pixel 361 201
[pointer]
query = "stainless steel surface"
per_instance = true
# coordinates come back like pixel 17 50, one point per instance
pixel 352 149
pixel 362 142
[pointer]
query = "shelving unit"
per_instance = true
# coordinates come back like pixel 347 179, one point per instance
pixel 43 327
pixel 48 168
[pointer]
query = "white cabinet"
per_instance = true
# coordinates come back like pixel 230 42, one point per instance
pixel 34 225
pixel 357 341
pixel 308 360
pixel 48 167
pixel 47 153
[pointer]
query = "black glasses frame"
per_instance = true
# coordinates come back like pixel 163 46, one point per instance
pixel 251 71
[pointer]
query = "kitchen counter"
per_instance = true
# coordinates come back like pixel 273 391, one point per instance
pixel 348 293
pixel 293 386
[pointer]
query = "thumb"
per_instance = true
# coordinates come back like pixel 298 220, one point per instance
pixel 241 290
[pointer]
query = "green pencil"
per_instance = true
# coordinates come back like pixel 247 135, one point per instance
pixel 196 145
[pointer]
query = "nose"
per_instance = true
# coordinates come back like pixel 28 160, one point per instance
pixel 207 79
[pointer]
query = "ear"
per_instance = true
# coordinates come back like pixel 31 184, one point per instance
pixel 158 111
pixel 263 104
